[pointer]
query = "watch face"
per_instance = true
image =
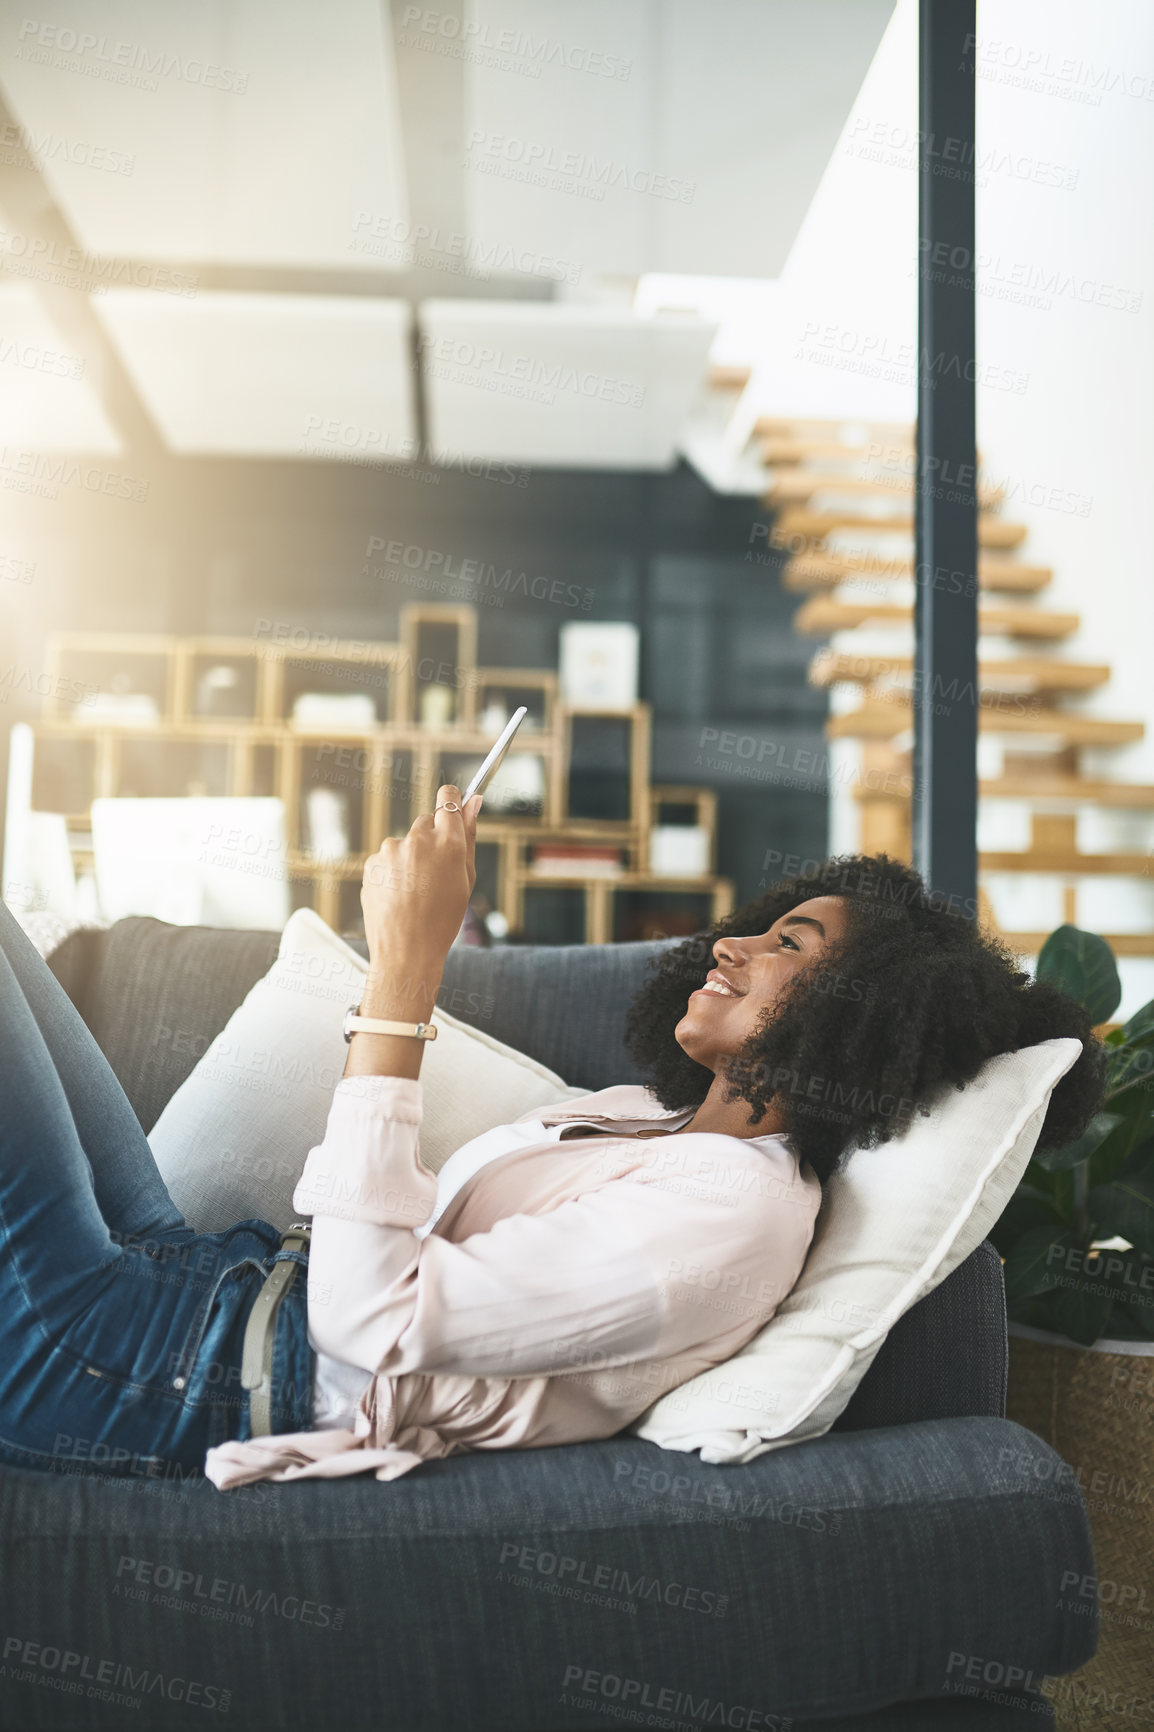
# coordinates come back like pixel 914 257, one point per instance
pixel 352 1011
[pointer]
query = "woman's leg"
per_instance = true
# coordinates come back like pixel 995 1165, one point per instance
pixel 127 1347
pixel 57 1244
pixel 129 1193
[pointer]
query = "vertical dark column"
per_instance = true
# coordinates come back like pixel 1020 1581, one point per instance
pixel 945 794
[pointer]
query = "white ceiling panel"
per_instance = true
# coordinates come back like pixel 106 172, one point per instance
pixel 48 399
pixel 559 385
pixel 626 136
pixel 226 131
pixel 270 375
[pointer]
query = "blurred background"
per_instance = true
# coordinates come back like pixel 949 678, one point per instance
pixel 367 370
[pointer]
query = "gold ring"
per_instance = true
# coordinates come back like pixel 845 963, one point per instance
pixel 447 806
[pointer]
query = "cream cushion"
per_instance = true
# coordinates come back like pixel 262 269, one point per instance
pixel 231 1142
pixel 894 1223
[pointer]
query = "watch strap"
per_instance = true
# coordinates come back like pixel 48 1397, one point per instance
pixel 355 1023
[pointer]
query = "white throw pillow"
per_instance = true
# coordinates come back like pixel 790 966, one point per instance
pixel 895 1222
pixel 231 1142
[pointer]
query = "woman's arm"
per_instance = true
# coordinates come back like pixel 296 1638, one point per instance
pixel 414 894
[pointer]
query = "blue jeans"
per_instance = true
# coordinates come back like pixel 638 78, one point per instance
pixel 121 1329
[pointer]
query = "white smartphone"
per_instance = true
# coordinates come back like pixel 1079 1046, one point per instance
pixel 493 762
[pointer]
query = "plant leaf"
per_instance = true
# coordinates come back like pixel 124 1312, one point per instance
pixel 1125 1208
pixel 1025 1209
pixel 1073 1154
pixel 1082 1314
pixel 1141 1319
pixel 1120 1326
pixel 1126 1065
pixel 1036 1180
pixel 1128 1276
pixel 1032 1265
pixel 1037 1311
pixel 1142 1022
pixel 1082 964
pixel 1126 1143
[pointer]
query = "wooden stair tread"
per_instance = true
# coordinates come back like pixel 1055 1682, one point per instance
pixel 728 378
pixel 786 448
pixel 1026 674
pixel 1124 795
pixel 806 483
pixel 822 615
pixel 1125 865
pixel 809 571
pixel 827 427
pixel 880 720
pixel 816 525
pixel 1074 790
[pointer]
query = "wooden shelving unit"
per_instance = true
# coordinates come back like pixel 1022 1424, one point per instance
pixel 217 716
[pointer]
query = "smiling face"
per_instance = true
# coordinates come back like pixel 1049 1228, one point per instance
pixel 750 975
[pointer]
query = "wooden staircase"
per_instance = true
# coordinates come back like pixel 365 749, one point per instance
pixel 835 488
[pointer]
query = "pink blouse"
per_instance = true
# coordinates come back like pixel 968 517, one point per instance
pixel 564 1288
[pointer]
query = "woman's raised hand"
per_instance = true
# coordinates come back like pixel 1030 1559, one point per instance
pixel 414 894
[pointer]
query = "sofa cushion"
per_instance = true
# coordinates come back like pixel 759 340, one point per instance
pixel 232 1141
pixel 516 1591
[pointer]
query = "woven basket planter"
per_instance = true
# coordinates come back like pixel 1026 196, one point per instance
pixel 1097 1410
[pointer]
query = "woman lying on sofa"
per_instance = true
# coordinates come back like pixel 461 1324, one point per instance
pixel 530 1294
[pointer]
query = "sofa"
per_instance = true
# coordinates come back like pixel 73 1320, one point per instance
pixel 905 1571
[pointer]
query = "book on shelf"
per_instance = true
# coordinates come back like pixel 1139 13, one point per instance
pixel 576 860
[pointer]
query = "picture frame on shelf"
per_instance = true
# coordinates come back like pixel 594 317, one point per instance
pixel 599 664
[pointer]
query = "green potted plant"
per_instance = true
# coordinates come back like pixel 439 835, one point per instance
pixel 1077 1243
